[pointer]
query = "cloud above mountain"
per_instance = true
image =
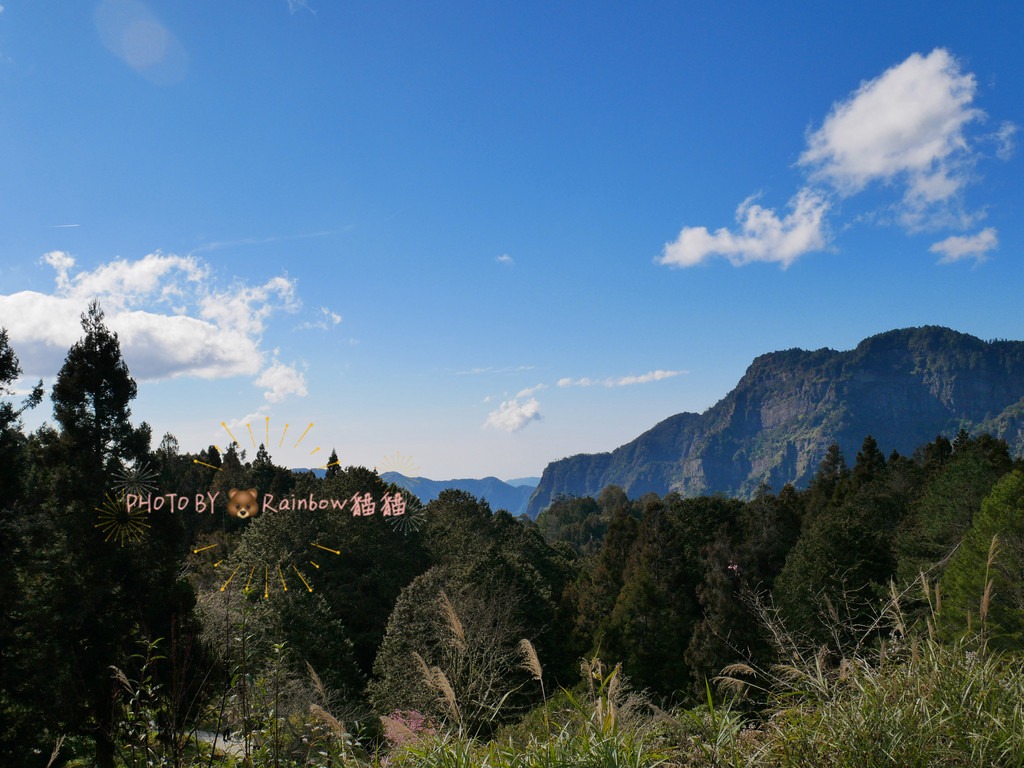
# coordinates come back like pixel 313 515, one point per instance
pixel 912 131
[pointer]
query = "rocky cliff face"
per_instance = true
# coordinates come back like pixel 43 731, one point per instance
pixel 903 387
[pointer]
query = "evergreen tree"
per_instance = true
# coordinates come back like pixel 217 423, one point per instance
pixel 980 560
pixel 101 595
pixel 831 474
pixel 332 465
pixel 90 402
pixel 22 714
pixel 12 442
pixel 870 464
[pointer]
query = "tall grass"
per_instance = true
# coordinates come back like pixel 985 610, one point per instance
pixel 909 700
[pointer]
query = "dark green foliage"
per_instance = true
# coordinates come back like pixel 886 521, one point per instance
pixel 91 397
pixel 579 522
pixel 657 607
pixel 597 587
pixel 359 585
pixel 948 500
pixel 333 465
pixel 992 552
pixel 87 599
pixel 734 569
pixel 847 554
pixel 475 645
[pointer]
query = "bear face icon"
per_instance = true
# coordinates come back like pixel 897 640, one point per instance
pixel 242 504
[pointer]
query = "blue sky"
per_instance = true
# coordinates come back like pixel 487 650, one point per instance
pixel 471 238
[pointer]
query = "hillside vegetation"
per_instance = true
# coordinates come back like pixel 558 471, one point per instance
pixel 875 616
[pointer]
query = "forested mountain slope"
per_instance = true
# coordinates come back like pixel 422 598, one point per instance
pixel 903 387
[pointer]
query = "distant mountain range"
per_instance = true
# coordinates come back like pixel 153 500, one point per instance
pixel 499 494
pixel 512 495
pixel 903 387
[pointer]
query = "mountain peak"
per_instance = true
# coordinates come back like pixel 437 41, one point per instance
pixel 902 386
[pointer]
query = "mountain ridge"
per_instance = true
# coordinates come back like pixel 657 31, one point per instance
pixel 903 386
pixel 499 494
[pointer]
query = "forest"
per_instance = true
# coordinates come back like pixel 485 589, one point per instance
pixel 874 617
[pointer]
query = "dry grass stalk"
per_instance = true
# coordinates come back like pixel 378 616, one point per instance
pixel 986 598
pixel 317 684
pixel 400 730
pixel 424 669
pixel 442 684
pixel 331 720
pixel 896 608
pixel 729 682
pixel 453 621
pixel 122 678
pixel 663 715
pixel 739 669
pixel 531 663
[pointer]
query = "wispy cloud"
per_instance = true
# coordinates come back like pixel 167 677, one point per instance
pixel 512 416
pixel 170 317
pixel 515 413
pixel 907 129
pixel 299 5
pixel 62 226
pixel 505 369
pixel 221 244
pixel 531 391
pixel 975 247
pixel 325 321
pixel 1006 140
pixel 620 381
pixel 505 259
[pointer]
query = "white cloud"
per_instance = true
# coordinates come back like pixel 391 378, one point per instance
pixel 121 283
pixel 762 235
pixel 567 382
pixel 280 381
pixel 505 259
pixel 531 391
pixel 245 308
pixel 169 319
pixel 970 247
pixel 646 378
pixel 295 5
pixel 1007 138
pixel 512 416
pixel 326 320
pixel 907 121
pixel 245 430
pixel 621 381
pixel 906 128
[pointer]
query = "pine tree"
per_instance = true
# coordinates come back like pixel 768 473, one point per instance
pixel 332 464
pixel 102 595
pixel 984 577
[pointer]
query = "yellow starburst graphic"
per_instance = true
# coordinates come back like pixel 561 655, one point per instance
pixel 119 523
pixel 402 465
pixel 258 571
